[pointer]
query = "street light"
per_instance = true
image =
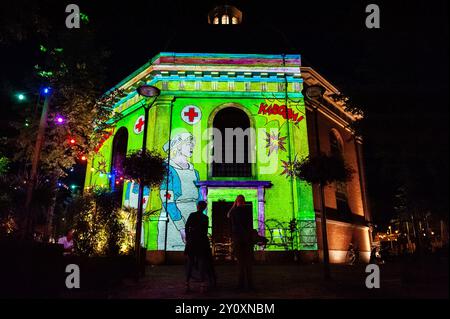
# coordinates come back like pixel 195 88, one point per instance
pixel 146 91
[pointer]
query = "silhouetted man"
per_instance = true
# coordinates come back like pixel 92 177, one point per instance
pixel 198 249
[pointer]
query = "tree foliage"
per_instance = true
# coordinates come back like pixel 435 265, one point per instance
pixel 99 228
pixel 4 165
pixel 75 81
pixel 323 169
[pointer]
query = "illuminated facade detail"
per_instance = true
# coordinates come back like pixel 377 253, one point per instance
pixel 277 125
pixel 191 114
pixel 225 19
pixel 225 14
pixel 138 127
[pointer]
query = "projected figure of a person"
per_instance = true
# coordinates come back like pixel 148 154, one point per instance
pixel 179 193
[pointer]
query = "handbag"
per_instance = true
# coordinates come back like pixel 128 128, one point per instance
pixel 257 239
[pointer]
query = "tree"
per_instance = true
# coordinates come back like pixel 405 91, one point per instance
pixel 4 165
pixel 322 170
pixel 70 69
pixel 99 229
pixel 76 98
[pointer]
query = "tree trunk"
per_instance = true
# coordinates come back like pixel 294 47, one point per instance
pixel 29 225
pixel 50 213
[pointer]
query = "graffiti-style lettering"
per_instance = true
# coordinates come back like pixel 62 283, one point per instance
pixel 280 110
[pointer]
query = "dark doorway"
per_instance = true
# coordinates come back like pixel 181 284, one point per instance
pixel 221 226
pixel 221 229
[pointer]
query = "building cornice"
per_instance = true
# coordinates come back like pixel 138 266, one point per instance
pixel 312 77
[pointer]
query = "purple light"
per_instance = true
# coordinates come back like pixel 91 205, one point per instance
pixel 59 120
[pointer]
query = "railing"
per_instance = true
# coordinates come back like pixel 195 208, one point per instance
pixel 285 234
pixel 279 235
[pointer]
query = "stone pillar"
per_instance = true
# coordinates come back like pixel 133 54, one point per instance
pixel 261 218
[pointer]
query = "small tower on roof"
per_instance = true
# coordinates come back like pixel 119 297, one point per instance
pixel 225 14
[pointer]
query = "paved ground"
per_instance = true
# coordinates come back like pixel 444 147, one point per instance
pixel 293 281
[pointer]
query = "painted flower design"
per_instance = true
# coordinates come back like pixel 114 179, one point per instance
pixel 289 167
pixel 275 142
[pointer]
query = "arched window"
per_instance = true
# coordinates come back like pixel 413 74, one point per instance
pixel 234 20
pixel 336 143
pixel 216 20
pixel 337 149
pixel 225 19
pixel 119 152
pixel 232 144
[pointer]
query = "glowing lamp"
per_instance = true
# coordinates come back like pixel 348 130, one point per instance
pixel 21 97
pixel 148 91
pixel 72 141
pixel 83 158
pixel 314 92
pixel 59 120
pixel 46 90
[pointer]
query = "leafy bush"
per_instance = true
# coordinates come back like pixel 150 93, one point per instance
pixel 148 168
pixel 99 228
pixel 4 165
pixel 323 169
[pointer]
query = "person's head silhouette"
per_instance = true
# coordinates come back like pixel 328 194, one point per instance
pixel 240 200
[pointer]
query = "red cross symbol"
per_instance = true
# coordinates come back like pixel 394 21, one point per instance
pixel 139 124
pixel 144 200
pixel 168 196
pixel 191 114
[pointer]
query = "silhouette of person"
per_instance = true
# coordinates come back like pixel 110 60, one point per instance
pixel 198 249
pixel 241 232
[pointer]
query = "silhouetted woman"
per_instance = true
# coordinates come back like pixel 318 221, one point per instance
pixel 241 230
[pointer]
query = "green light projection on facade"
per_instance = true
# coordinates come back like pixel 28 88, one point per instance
pixel 194 87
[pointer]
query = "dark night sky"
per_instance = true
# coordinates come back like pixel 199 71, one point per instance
pixel 399 72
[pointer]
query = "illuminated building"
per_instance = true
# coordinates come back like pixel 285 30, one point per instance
pixel 204 91
pixel 262 95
